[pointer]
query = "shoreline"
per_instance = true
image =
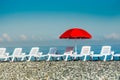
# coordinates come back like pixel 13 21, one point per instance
pixel 60 70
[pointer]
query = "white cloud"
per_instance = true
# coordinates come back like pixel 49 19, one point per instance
pixel 114 36
pixel 1 39
pixel 36 38
pixel 6 37
pixel 23 37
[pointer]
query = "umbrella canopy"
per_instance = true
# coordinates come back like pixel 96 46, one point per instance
pixel 75 33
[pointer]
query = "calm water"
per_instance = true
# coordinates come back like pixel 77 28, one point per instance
pixel 61 49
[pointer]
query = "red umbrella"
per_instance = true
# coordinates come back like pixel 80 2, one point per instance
pixel 75 33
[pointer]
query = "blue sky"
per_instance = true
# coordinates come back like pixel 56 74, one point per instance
pixel 40 22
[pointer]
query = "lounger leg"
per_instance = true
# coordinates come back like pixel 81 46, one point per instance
pixel 105 58
pixel 13 58
pixel 112 57
pixel 22 59
pixel 85 58
pixel 66 58
pixel 49 58
pixel 58 58
pixel 75 58
pixel 5 59
pixel 29 58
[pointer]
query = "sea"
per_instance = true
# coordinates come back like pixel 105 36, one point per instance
pixel 61 49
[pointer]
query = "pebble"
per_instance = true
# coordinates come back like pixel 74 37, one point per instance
pixel 60 70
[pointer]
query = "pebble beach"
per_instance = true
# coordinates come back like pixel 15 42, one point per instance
pixel 60 70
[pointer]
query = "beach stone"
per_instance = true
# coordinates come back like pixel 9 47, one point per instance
pixel 60 70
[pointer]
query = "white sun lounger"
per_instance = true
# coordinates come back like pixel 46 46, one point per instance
pixel 34 53
pixel 105 51
pixel 52 54
pixel 3 54
pixel 68 52
pixel 17 53
pixel 85 51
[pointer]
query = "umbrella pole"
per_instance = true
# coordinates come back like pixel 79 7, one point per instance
pixel 76 45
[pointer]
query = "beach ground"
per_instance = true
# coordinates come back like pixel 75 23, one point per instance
pixel 60 70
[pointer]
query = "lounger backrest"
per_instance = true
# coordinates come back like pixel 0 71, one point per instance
pixel 34 50
pixel 52 50
pixel 2 51
pixel 85 50
pixel 106 49
pixel 17 51
pixel 68 49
